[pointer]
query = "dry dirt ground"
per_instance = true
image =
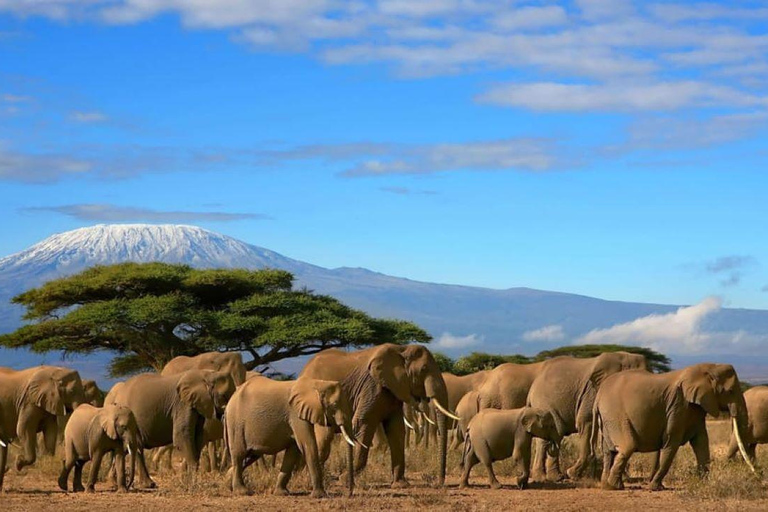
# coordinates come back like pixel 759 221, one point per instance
pixel 729 486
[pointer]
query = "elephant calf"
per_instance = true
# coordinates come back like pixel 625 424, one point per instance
pixel 90 433
pixel 267 417
pixel 499 434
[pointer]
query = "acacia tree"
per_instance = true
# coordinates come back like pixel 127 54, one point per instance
pixel 149 313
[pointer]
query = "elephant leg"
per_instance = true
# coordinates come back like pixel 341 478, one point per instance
pixel 395 430
pixel 238 466
pixel 3 463
pixel 96 464
pixel 470 461
pixel 291 457
pixel 119 460
pixel 665 461
pixel 654 465
pixel 525 467
pixel 303 432
pixel 66 468
pixel 144 478
pixel 700 445
pixel 609 456
pixel 492 480
pixel 539 460
pixel 615 477
pixel 552 463
pixel 583 447
pixel 77 484
pixel 367 432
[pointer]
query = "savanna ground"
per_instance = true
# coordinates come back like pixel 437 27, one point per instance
pixel 730 485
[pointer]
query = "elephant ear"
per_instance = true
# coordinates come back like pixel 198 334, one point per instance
pixel 699 387
pixel 194 391
pixel 44 392
pixel 606 364
pixel 528 420
pixel 308 399
pixel 107 419
pixel 387 367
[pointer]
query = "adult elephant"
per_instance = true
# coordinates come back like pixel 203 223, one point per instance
pixel 638 411
pixel 566 386
pixel 507 385
pixel 378 381
pixel 230 362
pixel 30 402
pixel 172 409
pixel 756 431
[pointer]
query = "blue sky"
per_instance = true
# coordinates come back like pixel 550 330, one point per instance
pixel 602 147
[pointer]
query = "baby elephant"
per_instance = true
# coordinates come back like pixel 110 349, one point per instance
pixel 90 433
pixel 495 434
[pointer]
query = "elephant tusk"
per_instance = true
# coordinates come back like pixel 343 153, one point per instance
pixel 361 444
pixel 408 424
pixel 428 420
pixel 2 444
pixel 446 411
pixel 741 445
pixel 346 437
pixel 130 452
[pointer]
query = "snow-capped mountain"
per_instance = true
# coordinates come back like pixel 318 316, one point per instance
pixel 461 318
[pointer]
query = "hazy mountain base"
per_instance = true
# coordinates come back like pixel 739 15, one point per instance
pixel 730 486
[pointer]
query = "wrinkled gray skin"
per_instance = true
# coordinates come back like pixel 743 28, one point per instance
pixel 566 386
pixel 499 434
pixel 267 417
pixel 379 380
pixel 172 409
pixel 756 431
pixel 30 401
pixel 93 395
pixel 93 432
pixel 638 411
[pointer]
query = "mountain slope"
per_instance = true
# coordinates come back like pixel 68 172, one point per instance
pixel 478 318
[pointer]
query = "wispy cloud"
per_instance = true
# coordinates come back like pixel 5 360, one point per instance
pixel 405 191
pixel 40 168
pixel 546 333
pixel 15 98
pixel 730 268
pixel 88 117
pixel 448 340
pixel 116 213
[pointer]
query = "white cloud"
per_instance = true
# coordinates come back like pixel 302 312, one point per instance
pixel 694 132
pixel 546 333
pixel 15 98
pixel 448 340
pixel 618 96
pixel 116 213
pixel 88 117
pixel 679 332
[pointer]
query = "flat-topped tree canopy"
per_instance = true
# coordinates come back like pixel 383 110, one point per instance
pixel 149 313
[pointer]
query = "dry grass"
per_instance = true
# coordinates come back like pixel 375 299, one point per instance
pixel 730 485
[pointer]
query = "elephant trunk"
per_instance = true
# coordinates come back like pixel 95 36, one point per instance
pixel 437 392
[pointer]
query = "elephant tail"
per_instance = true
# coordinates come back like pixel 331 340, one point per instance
pixel 226 434
pixel 465 453
pixel 596 428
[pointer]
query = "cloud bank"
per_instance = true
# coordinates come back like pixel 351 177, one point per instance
pixel 114 213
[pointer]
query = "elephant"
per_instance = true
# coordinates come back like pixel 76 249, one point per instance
pixel 458 386
pixel 31 400
pixel 230 362
pixel 172 409
pixel 566 386
pixel 507 385
pixel 266 417
pixel 92 432
pixel 378 381
pixel 499 434
pixel 638 411
pixel 93 395
pixel 756 400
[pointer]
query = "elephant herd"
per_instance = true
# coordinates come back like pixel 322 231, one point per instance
pixel 374 396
